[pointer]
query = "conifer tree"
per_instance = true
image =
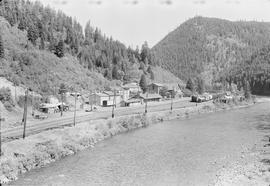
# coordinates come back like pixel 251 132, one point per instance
pixel 143 83
pixel 32 33
pixel 201 86
pixel 152 76
pixel 59 49
pixel 190 85
pixel 2 51
pixel 115 72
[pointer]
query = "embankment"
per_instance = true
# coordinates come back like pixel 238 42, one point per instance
pixel 20 156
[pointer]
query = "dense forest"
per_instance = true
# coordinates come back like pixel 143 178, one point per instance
pixel 254 73
pixel 211 49
pixel 53 31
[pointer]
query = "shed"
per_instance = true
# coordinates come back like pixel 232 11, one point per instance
pixel 105 98
pixel 131 102
pixel 148 97
pixel 154 88
pixel 132 87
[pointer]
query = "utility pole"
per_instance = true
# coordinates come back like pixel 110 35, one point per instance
pixel 171 100
pixel 62 105
pixel 25 112
pixel 91 99
pixel 0 133
pixel 75 109
pixel 33 104
pixel 146 102
pixel 113 104
pixel 15 86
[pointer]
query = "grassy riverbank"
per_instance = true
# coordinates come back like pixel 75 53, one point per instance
pixel 20 156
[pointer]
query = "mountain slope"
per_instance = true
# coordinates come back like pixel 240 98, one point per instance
pixel 44 48
pixel 39 69
pixel 210 47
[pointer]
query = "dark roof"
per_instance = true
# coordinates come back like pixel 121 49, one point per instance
pixel 157 84
pixel 111 93
pixel 133 100
pixel 131 85
pixel 147 96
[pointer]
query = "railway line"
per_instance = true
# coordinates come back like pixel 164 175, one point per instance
pixel 39 126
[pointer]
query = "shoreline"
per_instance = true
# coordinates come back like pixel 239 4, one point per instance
pixel 36 151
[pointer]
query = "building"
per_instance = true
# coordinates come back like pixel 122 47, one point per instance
pixel 154 88
pixel 105 98
pixel 148 97
pixel 48 108
pixel 174 89
pixel 132 102
pixel 133 88
pixel 123 92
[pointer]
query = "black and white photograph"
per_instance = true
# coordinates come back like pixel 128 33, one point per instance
pixel 134 92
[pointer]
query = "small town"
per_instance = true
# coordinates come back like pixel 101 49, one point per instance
pixel 134 92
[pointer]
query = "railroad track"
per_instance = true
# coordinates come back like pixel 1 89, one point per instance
pixel 16 133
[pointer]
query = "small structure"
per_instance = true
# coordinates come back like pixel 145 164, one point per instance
pixel 123 92
pixel 154 88
pixel 148 97
pixel 48 108
pixel 52 108
pixel 105 98
pixel 133 88
pixel 52 100
pixel 174 89
pixel 131 102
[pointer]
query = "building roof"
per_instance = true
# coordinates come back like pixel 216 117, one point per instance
pixel 48 105
pixel 111 93
pixel 117 88
pixel 106 94
pixel 101 94
pixel 151 96
pixel 133 100
pixel 157 84
pixel 145 96
pixel 131 85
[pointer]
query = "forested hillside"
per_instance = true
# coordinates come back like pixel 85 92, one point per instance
pixel 210 48
pixel 254 73
pixel 43 48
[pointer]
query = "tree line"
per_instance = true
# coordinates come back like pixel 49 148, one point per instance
pixel 54 31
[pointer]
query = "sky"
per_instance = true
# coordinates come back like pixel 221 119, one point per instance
pixel 134 21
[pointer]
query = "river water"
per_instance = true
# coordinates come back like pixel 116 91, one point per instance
pixel 180 152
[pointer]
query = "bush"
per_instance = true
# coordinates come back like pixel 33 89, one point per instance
pixel 6 99
pixel 8 106
pixel 5 94
pixel 31 101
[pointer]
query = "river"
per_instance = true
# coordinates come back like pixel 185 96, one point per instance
pixel 180 152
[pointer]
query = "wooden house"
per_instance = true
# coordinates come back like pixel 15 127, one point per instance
pixel 154 88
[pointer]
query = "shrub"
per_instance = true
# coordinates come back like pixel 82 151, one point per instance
pixel 6 99
pixel 31 101
pixel 8 106
pixel 5 94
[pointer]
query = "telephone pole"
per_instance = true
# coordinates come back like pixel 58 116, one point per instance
pixel 25 112
pixel 146 102
pixel 91 99
pixel 171 100
pixel 33 104
pixel 0 133
pixel 75 109
pixel 62 105
pixel 113 104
